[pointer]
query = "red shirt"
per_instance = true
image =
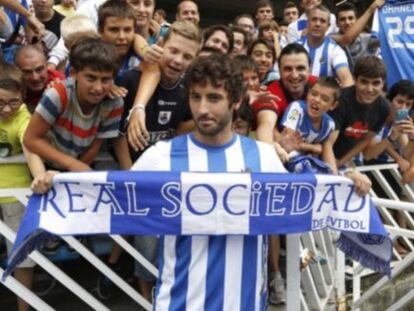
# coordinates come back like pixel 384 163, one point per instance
pixel 32 98
pixel 276 88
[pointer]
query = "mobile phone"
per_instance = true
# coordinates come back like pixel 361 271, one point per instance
pixel 401 114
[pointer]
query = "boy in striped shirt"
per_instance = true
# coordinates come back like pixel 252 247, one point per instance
pixel 72 119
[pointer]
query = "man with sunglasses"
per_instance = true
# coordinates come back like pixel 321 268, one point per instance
pixel 36 76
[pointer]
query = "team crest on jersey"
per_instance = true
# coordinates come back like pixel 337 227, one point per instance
pixel 164 117
pixel 294 114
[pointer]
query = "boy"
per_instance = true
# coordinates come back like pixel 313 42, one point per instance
pixel 362 110
pixel 116 25
pixel 166 113
pixel 310 119
pixel 14 118
pixel 72 119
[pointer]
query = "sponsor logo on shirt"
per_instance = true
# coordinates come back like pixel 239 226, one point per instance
pixel 166 103
pixel 357 130
pixel 164 117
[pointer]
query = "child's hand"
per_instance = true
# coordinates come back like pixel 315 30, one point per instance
pixel 403 164
pixel 153 53
pixel 262 95
pixel 291 140
pixel 408 175
pixel 362 183
pixel 43 183
pixel 138 135
pixel 281 152
pixel 117 91
pixel 154 28
pixel 53 83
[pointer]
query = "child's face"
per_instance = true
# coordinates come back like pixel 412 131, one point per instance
pixel 143 9
pixel 402 102
pixel 241 127
pixel 263 57
pixel 92 86
pixel 283 30
pixel 319 100
pixel 10 102
pixel 367 90
pixel 251 79
pixel 268 34
pixel 119 32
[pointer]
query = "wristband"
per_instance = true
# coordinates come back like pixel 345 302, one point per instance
pixel 139 107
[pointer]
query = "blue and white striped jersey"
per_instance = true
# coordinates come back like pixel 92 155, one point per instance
pixel 327 58
pixel 297 118
pixel 211 272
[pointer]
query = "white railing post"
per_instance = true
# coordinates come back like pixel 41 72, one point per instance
pixel 293 272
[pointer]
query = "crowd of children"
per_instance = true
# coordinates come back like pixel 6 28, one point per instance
pixel 110 78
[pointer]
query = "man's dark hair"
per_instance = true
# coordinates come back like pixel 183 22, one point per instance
pixel 331 83
pixel 115 8
pixel 293 48
pixel 219 70
pixel 402 87
pixel 11 78
pixel 212 29
pixel 370 67
pixel 246 36
pixel 95 54
pixel 268 44
pixel 263 3
pixel 347 6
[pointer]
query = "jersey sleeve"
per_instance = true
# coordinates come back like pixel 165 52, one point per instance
pixel 293 116
pixel 339 58
pixel 50 105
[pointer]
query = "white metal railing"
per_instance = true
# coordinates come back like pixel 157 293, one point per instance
pixel 385 207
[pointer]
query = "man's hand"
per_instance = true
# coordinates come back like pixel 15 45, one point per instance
pixel 262 96
pixel 138 135
pixel 362 183
pixel 43 183
pixel 117 91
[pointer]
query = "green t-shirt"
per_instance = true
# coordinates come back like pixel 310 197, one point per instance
pixel 11 140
